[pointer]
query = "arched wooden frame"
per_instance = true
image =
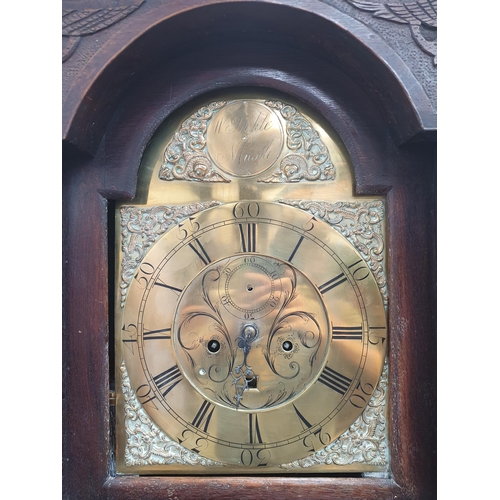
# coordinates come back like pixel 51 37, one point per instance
pixel 311 51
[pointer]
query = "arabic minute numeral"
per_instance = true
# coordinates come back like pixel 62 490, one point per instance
pixel 241 210
pixel 361 395
pixel 144 395
pixel 191 441
pixel 253 457
pixel 143 275
pixel 129 342
pixel 310 224
pixel 377 334
pixel 187 227
pixel 360 272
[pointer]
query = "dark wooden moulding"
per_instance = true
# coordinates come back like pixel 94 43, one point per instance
pixel 167 56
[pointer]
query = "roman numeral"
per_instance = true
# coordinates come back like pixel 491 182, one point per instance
pixel 292 255
pixel 248 237
pixel 156 334
pixel 304 422
pixel 200 251
pixel 334 380
pixel 347 332
pixel 203 416
pixel 253 429
pixel 168 379
pixel 326 287
pixel 170 287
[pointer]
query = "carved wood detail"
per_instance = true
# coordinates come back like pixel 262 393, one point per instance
pixel 81 22
pixel 420 15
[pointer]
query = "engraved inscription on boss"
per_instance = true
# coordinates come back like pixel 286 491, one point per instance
pixel 245 138
pixel 251 353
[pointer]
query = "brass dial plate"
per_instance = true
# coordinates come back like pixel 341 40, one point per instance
pixel 211 376
pixel 319 296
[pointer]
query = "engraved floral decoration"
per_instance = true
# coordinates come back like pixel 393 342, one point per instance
pixel 141 227
pixel 146 444
pixel 292 322
pixel 200 326
pixel 186 157
pixel 361 224
pixel 364 442
pixel 209 315
pixel 308 158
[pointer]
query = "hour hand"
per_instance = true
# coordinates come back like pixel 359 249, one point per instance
pixel 243 374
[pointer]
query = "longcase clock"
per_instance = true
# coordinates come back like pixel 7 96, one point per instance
pixel 249 248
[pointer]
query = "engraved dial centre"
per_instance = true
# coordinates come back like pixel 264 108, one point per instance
pixel 251 332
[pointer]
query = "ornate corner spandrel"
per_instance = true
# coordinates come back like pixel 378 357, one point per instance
pixel 307 158
pixel 141 227
pixel 365 442
pixel 360 222
pixel 146 444
pixel 186 157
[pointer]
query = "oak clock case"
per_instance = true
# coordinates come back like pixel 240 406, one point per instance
pixel 250 310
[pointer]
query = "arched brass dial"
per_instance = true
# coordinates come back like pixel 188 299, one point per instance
pixel 260 334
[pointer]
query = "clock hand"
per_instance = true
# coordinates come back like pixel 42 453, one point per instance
pixel 243 374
